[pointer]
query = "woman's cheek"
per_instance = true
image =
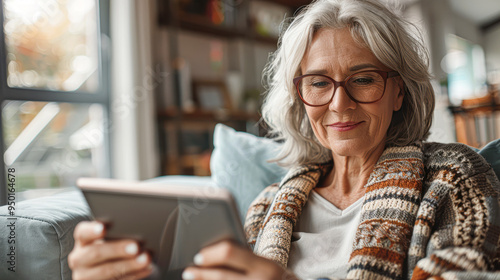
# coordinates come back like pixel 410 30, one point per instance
pixel 316 120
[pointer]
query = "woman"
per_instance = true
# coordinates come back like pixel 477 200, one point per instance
pixel 350 97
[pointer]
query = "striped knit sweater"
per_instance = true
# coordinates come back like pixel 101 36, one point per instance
pixel 430 211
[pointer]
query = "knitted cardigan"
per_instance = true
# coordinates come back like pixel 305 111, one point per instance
pixel 430 211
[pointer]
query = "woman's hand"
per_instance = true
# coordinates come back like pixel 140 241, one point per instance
pixel 94 258
pixel 228 261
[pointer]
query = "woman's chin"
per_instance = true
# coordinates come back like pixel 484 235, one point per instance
pixel 351 147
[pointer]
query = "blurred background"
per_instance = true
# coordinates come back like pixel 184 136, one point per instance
pixel 133 89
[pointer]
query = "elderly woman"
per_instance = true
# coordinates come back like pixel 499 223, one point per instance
pixel 350 97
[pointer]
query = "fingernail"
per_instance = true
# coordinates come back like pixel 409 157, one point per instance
pixel 132 249
pixel 98 228
pixel 186 275
pixel 142 258
pixel 198 259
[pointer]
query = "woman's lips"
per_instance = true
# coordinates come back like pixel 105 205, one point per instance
pixel 344 126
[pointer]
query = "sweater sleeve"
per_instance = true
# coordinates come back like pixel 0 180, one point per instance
pixel 257 212
pixel 460 219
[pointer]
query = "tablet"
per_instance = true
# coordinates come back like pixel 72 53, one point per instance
pixel 173 222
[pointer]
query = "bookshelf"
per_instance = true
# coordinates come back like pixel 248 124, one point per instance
pixel 237 43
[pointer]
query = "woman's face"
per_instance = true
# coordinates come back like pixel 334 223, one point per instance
pixel 344 126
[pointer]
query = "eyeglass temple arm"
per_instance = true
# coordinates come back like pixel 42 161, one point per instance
pixel 392 74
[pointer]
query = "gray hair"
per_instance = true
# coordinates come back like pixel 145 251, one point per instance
pixel 371 24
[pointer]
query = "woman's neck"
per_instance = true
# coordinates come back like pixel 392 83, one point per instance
pixel 345 183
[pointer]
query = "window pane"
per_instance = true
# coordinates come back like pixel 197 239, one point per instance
pixel 51 44
pixel 52 144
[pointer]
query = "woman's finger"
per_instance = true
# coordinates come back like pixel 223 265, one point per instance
pixel 135 268
pixel 141 274
pixel 192 273
pixel 225 253
pixel 100 252
pixel 87 232
pixel 227 260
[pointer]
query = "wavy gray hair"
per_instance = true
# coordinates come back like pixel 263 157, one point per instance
pixel 393 40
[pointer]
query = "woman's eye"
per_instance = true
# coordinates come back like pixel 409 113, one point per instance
pixel 363 81
pixel 320 84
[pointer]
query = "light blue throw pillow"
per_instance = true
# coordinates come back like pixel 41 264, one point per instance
pixel 240 164
pixel 491 152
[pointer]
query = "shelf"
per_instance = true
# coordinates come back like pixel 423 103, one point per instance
pixel 221 116
pixel 477 120
pixel 479 105
pixel 265 39
pixel 197 164
pixel 201 24
pixel 477 109
pixel 292 3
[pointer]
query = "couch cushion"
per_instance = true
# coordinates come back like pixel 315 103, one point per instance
pixel 43 235
pixel 240 164
pixel 491 152
pixel 182 180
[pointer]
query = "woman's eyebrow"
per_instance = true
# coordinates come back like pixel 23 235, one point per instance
pixel 352 69
pixel 362 66
pixel 316 71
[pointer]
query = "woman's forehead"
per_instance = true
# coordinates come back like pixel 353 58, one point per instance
pixel 336 48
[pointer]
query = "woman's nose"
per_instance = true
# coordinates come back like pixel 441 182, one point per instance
pixel 341 101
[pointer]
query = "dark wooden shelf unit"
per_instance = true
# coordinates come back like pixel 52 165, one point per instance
pixel 477 121
pixel 209 115
pixel 180 131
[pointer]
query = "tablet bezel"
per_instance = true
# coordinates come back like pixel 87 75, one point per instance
pixel 163 190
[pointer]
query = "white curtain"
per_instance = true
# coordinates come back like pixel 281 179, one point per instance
pixel 134 79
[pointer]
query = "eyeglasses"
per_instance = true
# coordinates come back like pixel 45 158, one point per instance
pixel 361 87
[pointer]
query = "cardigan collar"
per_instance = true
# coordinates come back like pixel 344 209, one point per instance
pixel 392 197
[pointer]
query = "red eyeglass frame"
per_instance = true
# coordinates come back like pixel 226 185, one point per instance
pixel 385 75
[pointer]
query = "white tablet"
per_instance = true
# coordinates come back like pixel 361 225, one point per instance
pixel 174 222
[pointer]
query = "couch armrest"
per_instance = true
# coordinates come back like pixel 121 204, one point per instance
pixel 43 235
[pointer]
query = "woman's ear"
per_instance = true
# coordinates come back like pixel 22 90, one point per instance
pixel 398 98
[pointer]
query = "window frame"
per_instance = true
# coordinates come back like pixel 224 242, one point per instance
pixel 100 96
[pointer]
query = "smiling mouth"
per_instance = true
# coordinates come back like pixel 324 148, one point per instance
pixel 344 126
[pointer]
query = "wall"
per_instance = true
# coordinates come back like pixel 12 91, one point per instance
pixel 439 19
pixel 135 155
pixel 433 20
pixel 492 48
pixel 467 29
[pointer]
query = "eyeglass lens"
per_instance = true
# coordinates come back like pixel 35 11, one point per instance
pixel 363 87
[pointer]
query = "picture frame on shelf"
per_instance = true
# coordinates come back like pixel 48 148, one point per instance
pixel 211 96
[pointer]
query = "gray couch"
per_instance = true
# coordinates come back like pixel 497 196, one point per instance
pixel 43 236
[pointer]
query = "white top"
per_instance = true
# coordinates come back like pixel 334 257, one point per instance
pixel 322 239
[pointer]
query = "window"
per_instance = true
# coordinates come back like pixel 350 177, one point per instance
pixel 54 92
